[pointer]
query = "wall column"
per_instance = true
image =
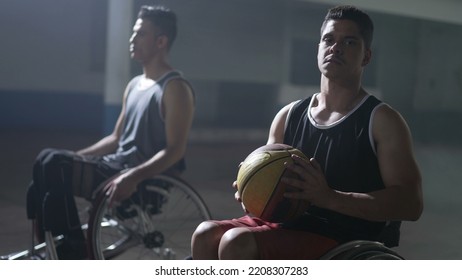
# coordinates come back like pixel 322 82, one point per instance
pixel 117 74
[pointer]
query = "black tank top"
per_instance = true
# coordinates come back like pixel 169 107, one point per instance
pixel 346 152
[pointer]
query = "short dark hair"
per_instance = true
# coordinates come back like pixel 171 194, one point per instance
pixel 163 18
pixel 362 20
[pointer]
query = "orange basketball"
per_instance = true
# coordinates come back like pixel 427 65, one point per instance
pixel 259 184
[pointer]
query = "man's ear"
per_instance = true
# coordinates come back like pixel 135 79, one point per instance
pixel 162 41
pixel 367 57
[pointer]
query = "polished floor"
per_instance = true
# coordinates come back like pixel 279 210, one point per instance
pixel 213 157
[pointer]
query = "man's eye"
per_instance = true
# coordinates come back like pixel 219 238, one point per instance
pixel 350 42
pixel 327 41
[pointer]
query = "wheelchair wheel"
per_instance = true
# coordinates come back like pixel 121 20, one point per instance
pixel 362 250
pixel 155 223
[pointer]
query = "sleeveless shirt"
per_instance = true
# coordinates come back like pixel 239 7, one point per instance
pixel 346 152
pixel 144 128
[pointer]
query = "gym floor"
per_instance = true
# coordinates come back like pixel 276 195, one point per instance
pixel 212 160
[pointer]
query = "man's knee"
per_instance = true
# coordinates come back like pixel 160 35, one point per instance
pixel 207 231
pixel 46 156
pixel 205 240
pixel 44 153
pixel 52 156
pixel 238 243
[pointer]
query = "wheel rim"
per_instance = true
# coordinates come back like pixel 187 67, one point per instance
pixel 160 225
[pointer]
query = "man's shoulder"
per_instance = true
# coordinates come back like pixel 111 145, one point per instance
pixel 386 118
pixel 136 78
pixel 301 104
pixel 134 81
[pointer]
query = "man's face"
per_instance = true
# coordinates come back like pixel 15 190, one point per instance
pixel 143 42
pixel 341 51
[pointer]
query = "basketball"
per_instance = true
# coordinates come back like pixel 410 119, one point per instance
pixel 260 188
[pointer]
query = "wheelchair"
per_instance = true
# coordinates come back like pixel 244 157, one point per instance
pixel 367 249
pixel 156 222
pixel 362 250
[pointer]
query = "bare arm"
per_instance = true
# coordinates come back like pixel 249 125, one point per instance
pixel 402 197
pixel 276 133
pixel 109 143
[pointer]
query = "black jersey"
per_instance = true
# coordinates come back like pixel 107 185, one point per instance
pixel 346 152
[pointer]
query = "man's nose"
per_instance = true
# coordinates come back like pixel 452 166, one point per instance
pixel 337 48
pixel 132 38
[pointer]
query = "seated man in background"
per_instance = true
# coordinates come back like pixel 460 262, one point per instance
pixel 361 173
pixel 149 138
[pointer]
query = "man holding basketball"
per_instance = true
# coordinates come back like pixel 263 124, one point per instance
pixel 361 173
pixel 149 138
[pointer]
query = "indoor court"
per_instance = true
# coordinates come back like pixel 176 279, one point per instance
pixel 55 92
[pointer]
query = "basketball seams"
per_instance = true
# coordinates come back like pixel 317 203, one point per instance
pixel 282 155
pixel 250 174
pixel 292 210
pixel 273 193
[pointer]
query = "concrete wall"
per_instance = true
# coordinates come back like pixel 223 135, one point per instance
pixel 260 53
pixel 51 64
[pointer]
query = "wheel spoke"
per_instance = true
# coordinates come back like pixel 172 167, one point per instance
pixel 157 223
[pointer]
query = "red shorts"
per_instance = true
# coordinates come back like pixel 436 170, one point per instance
pixel 276 243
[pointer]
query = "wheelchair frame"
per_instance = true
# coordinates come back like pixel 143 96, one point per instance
pixel 361 250
pixel 145 229
pixel 167 213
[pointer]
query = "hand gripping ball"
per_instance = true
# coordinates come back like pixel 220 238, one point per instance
pixel 260 187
